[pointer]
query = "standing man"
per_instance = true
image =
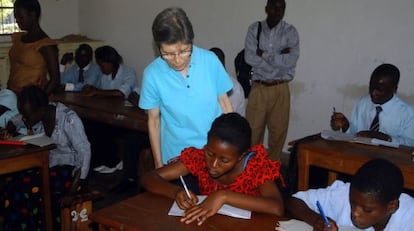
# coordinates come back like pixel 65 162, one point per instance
pixel 273 64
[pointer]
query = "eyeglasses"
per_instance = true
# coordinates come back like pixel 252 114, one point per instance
pixel 180 54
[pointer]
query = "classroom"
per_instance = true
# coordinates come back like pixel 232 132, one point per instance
pixel 341 42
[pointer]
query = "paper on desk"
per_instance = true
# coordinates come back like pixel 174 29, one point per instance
pixel 40 140
pixel 340 136
pixel 297 225
pixel 227 210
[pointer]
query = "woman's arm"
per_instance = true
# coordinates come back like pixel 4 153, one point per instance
pixel 225 103
pixel 158 182
pixel 50 54
pixel 269 201
pixel 154 135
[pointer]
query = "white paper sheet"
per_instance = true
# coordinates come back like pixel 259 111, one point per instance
pixel 227 210
pixel 40 140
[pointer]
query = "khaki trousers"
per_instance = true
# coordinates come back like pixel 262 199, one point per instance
pixel 269 106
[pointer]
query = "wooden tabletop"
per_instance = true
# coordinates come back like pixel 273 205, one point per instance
pixel 109 110
pixel 9 151
pixel 149 212
pixel 346 157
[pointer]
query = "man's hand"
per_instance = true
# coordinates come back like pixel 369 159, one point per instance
pixel 373 134
pixel 339 121
pixel 285 51
pixel 259 52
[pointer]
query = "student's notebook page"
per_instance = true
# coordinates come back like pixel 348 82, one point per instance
pixel 340 136
pixel 297 225
pixel 227 210
pixel 40 140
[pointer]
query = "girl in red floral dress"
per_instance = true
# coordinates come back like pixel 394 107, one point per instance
pixel 228 171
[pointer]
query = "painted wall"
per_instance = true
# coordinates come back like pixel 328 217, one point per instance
pixel 341 42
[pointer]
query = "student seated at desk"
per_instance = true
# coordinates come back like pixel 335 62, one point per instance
pixel 83 72
pixel 116 80
pixel 372 201
pixel 228 171
pixel 381 114
pixel 72 153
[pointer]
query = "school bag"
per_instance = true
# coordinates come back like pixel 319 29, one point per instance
pixel 243 69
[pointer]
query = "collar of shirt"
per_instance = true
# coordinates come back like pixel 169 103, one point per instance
pixel 86 67
pixel 386 107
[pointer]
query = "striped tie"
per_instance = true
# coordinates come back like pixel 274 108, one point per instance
pixel 375 122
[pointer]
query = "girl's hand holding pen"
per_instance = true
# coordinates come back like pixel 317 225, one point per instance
pixel 320 225
pixel 206 209
pixel 183 201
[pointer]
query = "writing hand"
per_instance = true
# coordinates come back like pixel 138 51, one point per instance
pixel 373 134
pixel 206 209
pixel 285 50
pixel 183 201
pixel 320 225
pixel 339 121
pixel 259 52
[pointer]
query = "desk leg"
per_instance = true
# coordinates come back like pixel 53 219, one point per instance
pixel 303 169
pixel 46 190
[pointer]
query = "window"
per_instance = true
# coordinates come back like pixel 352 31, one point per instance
pixel 8 24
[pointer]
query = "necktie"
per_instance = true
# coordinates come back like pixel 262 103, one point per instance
pixel 375 122
pixel 80 75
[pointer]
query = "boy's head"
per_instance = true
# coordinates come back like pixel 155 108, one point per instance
pixel 83 55
pixel 228 141
pixel 31 103
pixel 374 193
pixel 383 83
pixel 220 55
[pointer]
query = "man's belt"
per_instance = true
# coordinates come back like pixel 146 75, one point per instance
pixel 270 82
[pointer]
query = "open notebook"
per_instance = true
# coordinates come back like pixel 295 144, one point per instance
pixel 227 210
pixel 40 140
pixel 337 135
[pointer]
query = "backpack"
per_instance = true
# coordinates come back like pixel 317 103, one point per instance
pixel 243 69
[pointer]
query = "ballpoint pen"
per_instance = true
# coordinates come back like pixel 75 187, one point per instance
pixel 328 225
pixel 185 187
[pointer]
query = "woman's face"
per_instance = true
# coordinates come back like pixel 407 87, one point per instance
pixel 106 67
pixel 177 55
pixel 24 18
pixel 221 157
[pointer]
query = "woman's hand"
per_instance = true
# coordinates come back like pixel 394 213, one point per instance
pixel 183 201
pixel 206 209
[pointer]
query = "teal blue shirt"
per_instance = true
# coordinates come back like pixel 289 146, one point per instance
pixel 187 105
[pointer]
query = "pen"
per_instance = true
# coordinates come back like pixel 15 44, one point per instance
pixel 323 214
pixel 333 110
pixel 187 192
pixel 185 187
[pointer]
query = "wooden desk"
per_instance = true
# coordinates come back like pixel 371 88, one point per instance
pixel 149 212
pixel 345 157
pixel 109 110
pixel 18 158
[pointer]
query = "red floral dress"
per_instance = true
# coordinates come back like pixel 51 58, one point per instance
pixel 259 168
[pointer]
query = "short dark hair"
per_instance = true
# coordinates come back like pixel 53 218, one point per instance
pixel 387 70
pixel 28 5
pixel 84 49
pixel 272 2
pixel 381 178
pixel 108 54
pixel 172 26
pixel 34 96
pixel 220 54
pixel 232 128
